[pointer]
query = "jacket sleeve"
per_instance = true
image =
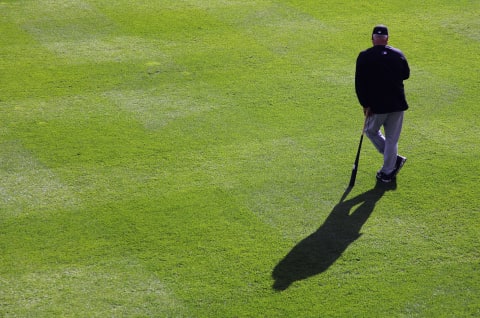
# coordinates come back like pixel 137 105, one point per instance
pixel 406 68
pixel 361 81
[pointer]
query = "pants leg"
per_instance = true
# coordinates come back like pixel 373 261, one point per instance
pixel 388 144
pixel 392 127
pixel 372 130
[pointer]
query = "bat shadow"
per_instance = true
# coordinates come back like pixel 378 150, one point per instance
pixel 317 252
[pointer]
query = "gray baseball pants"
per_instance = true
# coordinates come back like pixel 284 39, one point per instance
pixel 388 144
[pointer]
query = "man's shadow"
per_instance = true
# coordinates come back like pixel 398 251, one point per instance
pixel 316 253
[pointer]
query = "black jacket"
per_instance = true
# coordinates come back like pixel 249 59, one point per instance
pixel 379 76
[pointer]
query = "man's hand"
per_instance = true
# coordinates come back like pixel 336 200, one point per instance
pixel 367 111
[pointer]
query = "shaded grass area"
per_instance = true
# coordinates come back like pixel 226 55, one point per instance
pixel 188 158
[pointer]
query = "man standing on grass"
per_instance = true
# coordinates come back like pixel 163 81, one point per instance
pixel 379 75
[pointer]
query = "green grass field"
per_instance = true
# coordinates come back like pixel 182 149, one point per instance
pixel 190 158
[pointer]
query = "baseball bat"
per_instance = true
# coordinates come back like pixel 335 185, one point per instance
pixel 353 177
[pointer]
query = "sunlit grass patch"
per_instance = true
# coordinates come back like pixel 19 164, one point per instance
pixel 28 186
pixel 155 109
pixel 121 49
pixel 119 287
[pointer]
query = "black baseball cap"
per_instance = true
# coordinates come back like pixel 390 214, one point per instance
pixel 380 30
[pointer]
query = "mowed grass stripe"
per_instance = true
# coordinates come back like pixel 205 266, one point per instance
pixel 118 286
pixel 53 21
pixel 29 187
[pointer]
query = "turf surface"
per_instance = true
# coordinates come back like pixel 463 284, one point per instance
pixel 190 159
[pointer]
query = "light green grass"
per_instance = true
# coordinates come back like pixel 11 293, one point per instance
pixel 181 159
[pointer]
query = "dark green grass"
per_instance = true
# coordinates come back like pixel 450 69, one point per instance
pixel 188 158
